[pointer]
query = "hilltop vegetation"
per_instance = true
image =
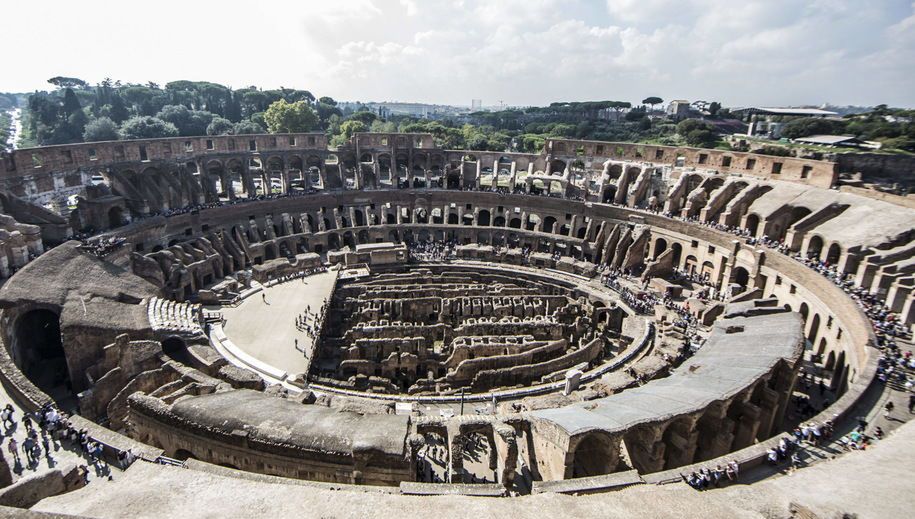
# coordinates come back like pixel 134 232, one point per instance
pixel 75 111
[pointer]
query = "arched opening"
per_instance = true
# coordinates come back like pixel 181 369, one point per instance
pixel 741 276
pixel 483 217
pixel 184 455
pixel 752 224
pixel 594 455
pixel 833 253
pixel 677 253
pixel 515 223
pixel 452 219
pixel 40 353
pixel 176 349
pixel 660 245
pixel 115 217
pixel 548 224
pixel 814 328
pixel 814 247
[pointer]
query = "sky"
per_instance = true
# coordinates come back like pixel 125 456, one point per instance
pixel 516 52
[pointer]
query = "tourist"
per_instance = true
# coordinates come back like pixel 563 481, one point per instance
pixel 732 470
pixel 13 448
pixel 28 446
pixel 7 416
pixel 888 410
pixel 911 403
pixel 772 456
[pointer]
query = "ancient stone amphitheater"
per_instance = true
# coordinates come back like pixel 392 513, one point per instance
pixel 395 317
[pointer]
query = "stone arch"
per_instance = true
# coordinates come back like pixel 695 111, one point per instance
pixel 549 224
pixel 184 455
pixel 814 328
pixel 741 276
pixel 595 454
pixel 39 351
pixel 814 247
pixel 483 217
pixel 677 253
pixel 532 221
pixel 515 223
pixel 115 217
pixel 752 224
pixel 660 245
pixel 833 253
pixel 176 349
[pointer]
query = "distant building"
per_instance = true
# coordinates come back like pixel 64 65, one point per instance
pixel 611 115
pixel 678 109
pixel 768 122
pixel 848 141
pixel 476 105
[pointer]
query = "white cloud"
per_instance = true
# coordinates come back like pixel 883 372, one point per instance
pixel 520 51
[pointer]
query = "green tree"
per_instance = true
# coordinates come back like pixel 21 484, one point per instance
pixel 653 101
pixel 68 82
pixel 714 108
pixel 118 111
pixel 348 128
pixel 101 129
pixel 364 116
pixel 71 102
pixel 248 128
pixel 220 126
pixel 697 133
pixel 146 127
pixel 284 117
pixel 808 126
pixel 188 122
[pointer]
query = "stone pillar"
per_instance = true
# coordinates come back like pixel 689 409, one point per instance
pixel 681 440
pixel 646 448
pixel 716 432
pixel 455 456
pixel 506 445
pixel 767 400
pixel 746 417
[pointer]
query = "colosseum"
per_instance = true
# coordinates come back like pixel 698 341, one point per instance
pixel 392 324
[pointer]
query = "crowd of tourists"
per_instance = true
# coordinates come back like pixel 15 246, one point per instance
pixel 47 430
pixel 301 274
pixel 103 246
pixel 309 322
pixel 705 478
pixel 433 250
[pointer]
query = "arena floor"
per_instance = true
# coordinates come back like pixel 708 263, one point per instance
pixel 264 326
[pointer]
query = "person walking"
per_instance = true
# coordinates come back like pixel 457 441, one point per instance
pixel 13 448
pixel 7 417
pixel 888 410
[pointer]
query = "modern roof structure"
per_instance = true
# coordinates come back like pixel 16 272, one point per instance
pixel 804 112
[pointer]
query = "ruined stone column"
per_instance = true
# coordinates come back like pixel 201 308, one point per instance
pixel 646 448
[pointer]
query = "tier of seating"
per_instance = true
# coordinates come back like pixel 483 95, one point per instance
pixel 173 317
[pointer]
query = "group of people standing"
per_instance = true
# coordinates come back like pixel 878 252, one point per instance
pixel 310 323
pixel 47 429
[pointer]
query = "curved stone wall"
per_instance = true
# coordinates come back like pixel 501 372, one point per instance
pixel 600 205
